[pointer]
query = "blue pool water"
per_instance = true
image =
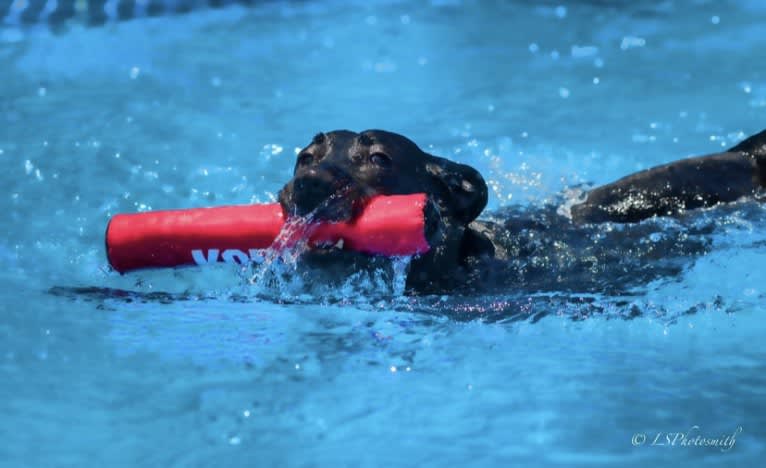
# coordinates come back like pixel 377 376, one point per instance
pixel 202 368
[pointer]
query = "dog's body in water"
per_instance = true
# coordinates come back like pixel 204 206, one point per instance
pixel 545 248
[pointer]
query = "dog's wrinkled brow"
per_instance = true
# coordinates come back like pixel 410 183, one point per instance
pixel 364 140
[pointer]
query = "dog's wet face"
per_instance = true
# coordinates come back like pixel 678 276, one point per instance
pixel 339 171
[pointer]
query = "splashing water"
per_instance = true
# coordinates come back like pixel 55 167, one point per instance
pixel 281 259
pixel 282 276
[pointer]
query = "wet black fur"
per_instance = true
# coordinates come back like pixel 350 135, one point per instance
pixel 339 171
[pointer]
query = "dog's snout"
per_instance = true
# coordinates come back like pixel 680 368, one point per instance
pixel 311 189
pixel 313 185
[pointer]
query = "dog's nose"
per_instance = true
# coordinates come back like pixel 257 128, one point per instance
pixel 311 189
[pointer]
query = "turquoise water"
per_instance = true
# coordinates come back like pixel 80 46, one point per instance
pixel 202 368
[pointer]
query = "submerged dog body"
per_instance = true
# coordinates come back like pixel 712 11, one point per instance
pixel 339 171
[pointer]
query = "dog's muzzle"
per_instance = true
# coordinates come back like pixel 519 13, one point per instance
pixel 323 194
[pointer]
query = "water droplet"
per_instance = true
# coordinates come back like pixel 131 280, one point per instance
pixel 629 42
pixel 583 51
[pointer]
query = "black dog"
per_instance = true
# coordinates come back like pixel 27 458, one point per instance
pixel 339 171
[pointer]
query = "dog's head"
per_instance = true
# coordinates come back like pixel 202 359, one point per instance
pixel 339 171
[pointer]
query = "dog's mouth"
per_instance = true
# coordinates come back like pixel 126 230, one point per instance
pixel 305 208
pixel 343 205
pixel 333 204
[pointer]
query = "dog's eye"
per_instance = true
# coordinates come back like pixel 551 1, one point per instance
pixel 380 159
pixel 305 158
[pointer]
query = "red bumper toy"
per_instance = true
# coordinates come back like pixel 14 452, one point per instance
pixel 390 225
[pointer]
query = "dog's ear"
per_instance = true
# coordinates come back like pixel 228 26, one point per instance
pixel 464 187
